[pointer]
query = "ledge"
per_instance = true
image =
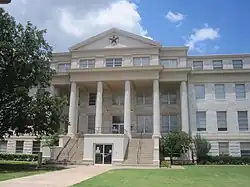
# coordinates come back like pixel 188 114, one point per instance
pixel 223 71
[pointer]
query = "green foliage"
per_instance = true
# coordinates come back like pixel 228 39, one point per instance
pixel 51 140
pixel 224 160
pixel 174 144
pixel 202 147
pixel 25 58
pixel 18 157
pixel 165 164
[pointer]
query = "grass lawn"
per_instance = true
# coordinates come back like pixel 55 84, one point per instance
pixel 16 169
pixel 192 176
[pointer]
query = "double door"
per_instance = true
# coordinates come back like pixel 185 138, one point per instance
pixel 103 153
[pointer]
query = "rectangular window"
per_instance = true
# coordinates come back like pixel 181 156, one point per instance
pixel 198 65
pixel 217 64
pixel 113 62
pixel 117 99
pixel 19 146
pixel 144 99
pixel 88 63
pixel 3 146
pixel 222 120
pixel 200 91
pixel 243 120
pixel 219 91
pixel 141 61
pixel 63 67
pixel 92 99
pixel 118 124
pixel 240 91
pixel 237 64
pixel 245 148
pixel 91 123
pixel 36 147
pixel 169 123
pixel 168 98
pixel 201 121
pixel 169 63
pixel 223 148
pixel 144 124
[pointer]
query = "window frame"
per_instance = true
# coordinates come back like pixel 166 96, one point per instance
pixel 198 127
pixel 240 96
pixel 67 66
pixel 90 63
pixel 170 63
pixel 3 146
pixel 166 98
pixel 245 151
pixel 195 67
pixel 117 99
pixel 221 121
pixel 241 121
pixel 141 61
pixel 216 67
pixel 235 66
pixel 91 127
pixel 204 90
pixel 19 149
pixel 146 129
pixel 116 62
pixel 145 98
pixel 227 147
pixel 36 149
pixel 216 92
pixel 92 103
pixel 168 126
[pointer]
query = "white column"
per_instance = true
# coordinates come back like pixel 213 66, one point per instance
pixel 184 107
pixel 98 116
pixel 156 109
pixel 72 110
pixel 127 108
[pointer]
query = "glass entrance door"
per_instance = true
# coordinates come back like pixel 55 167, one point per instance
pixel 103 154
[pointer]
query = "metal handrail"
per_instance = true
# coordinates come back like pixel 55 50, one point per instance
pixel 139 148
pixel 65 145
pixel 106 130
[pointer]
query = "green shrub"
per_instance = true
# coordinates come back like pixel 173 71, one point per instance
pixel 18 157
pixel 165 164
pixel 224 160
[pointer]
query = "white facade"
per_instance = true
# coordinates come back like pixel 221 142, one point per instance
pixel 146 89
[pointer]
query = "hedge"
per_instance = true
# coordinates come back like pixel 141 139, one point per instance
pixel 224 160
pixel 18 157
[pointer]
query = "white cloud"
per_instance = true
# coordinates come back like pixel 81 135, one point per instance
pixel 199 36
pixel 69 22
pixel 175 17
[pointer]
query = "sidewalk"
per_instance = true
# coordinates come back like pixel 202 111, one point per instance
pixel 63 178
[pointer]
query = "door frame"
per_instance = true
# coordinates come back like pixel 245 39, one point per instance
pixel 103 152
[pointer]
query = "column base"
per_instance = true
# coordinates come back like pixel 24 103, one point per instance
pixel 156 136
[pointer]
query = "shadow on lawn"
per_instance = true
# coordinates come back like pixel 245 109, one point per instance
pixel 25 167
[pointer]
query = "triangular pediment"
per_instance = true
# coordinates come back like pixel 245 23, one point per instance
pixel 114 38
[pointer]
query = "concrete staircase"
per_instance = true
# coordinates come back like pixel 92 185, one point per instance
pixel 72 152
pixel 140 152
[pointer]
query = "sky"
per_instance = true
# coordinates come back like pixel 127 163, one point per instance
pixel 206 26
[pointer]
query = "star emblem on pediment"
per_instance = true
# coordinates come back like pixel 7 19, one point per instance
pixel 113 40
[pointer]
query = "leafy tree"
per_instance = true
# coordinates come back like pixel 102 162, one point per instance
pixel 25 58
pixel 174 144
pixel 202 147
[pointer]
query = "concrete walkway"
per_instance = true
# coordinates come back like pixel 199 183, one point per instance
pixel 62 178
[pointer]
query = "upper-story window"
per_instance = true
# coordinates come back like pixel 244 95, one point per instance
pixel 217 64
pixel 168 98
pixel 169 63
pixel 63 67
pixel 144 99
pixel 219 91
pixel 141 61
pixel 113 62
pixel 198 65
pixel 200 91
pixel 117 99
pixel 237 64
pixel 240 91
pixel 87 63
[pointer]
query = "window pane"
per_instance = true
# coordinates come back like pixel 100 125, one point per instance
pixel 144 124
pixel 19 146
pixel 92 98
pixel 223 148
pixel 63 67
pixel 237 64
pixel 117 99
pixel 217 64
pixel 145 61
pixel 117 62
pixel 109 63
pixel 141 61
pixel 222 120
pixel 243 120
pixel 198 65
pixel 240 91
pixel 201 121
pixel 137 61
pixel 219 91
pixel 83 64
pixel 36 147
pixel 245 148
pixel 200 91
pixel 3 146
pixel 118 119
pixel 169 63
pixel 91 123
